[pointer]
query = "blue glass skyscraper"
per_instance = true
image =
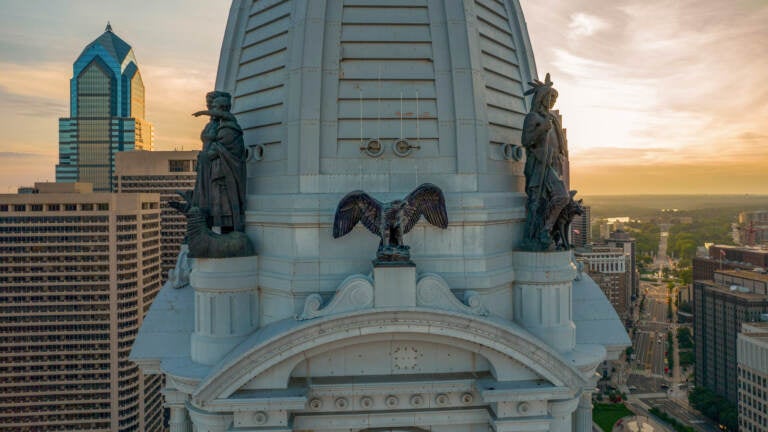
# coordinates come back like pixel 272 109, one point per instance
pixel 106 113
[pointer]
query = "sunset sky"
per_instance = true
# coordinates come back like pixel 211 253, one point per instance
pixel 658 96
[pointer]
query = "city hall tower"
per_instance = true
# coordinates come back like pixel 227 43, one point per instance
pixel 476 334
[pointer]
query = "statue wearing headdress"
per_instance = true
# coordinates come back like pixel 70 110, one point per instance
pixel 545 167
pixel 220 185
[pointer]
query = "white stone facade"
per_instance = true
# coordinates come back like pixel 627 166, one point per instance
pixel 752 359
pixel 308 335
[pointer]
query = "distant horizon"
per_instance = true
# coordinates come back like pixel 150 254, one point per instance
pixel 649 96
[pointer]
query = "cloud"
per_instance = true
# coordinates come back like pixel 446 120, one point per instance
pixel 171 104
pixel 698 178
pixel 583 25
pixel 661 83
pixel 40 80
pixel 21 155
pixel 32 106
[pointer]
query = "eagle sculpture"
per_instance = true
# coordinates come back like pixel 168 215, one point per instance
pixel 390 221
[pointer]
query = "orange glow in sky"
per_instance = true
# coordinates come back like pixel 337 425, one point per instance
pixel 658 96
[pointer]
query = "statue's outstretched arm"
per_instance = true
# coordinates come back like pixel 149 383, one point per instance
pixel 224 115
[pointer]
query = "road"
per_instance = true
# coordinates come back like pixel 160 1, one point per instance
pixel 649 383
pixel 651 331
pixel 681 412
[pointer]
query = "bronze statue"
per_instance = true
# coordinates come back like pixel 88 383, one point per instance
pixel 218 199
pixel 545 166
pixel 561 232
pixel 390 221
pixel 221 174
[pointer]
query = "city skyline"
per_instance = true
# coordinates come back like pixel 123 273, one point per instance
pixel 634 81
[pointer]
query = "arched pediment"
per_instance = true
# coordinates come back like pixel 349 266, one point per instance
pixel 410 354
pixel 291 343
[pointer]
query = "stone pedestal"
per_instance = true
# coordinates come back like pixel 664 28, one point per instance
pixel 561 412
pixel 179 421
pixel 175 401
pixel 226 305
pixel 584 413
pixel 394 286
pixel 542 296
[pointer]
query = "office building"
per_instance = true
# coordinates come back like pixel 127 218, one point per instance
pixel 726 257
pixel 581 230
pixel 720 306
pixel 78 271
pixel 609 267
pixel 752 359
pixel 107 113
pixel 622 239
pixel 163 172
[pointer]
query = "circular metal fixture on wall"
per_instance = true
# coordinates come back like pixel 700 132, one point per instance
pixel 373 148
pixel 315 403
pixel 467 398
pixel 391 401
pixel 442 399
pixel 512 152
pixel 260 418
pixel 523 407
pixel 342 403
pixel 366 402
pixel 403 148
pixel 417 400
pixel 255 152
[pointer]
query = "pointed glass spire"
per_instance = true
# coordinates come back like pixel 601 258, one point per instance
pixel 109 27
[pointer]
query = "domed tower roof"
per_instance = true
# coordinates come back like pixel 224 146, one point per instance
pixel 314 82
pixel 380 95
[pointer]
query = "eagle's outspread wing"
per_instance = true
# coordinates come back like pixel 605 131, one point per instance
pixel 427 200
pixel 357 206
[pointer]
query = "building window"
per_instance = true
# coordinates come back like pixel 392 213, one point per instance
pixel 19 207
pixel 36 207
pixel 179 165
pixel 70 207
pixel 54 207
pixel 103 206
pixel 4 207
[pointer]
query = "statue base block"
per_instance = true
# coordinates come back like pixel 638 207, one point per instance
pixel 542 296
pixel 226 305
pixel 394 285
pixel 393 256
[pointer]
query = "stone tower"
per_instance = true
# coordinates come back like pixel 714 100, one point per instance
pixel 435 87
pixel 380 95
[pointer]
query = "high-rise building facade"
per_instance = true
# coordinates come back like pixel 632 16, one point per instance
pixel 78 271
pixel 720 306
pixel 622 239
pixel 609 268
pixel 752 357
pixel 581 230
pixel 107 113
pixel 163 172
